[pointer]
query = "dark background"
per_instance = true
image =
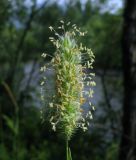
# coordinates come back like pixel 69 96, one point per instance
pixel 24 37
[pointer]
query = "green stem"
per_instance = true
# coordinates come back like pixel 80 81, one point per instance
pixel 67 149
pixel 68 152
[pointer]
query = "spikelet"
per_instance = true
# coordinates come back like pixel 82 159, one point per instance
pixel 63 109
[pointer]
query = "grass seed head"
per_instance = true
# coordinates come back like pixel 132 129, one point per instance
pixel 63 109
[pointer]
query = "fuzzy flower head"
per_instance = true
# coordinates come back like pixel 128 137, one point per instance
pixel 70 64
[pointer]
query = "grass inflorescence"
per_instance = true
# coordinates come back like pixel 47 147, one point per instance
pixel 63 110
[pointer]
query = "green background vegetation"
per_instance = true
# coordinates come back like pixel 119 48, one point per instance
pixel 24 36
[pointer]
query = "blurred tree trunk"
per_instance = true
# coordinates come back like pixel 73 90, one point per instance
pixel 128 139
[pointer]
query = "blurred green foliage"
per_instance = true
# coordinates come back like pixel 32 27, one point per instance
pixel 23 37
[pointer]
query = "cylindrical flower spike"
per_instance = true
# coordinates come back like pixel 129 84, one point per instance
pixel 64 108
